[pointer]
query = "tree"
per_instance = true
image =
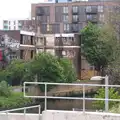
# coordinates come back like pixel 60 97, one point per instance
pixel 47 68
pixel 15 72
pixel 97 46
pixel 68 70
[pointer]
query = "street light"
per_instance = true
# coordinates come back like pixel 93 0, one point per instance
pixel 106 78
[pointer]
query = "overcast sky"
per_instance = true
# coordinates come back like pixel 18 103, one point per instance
pixel 16 9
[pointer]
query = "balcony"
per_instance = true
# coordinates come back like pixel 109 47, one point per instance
pixel 75 19
pixel 91 10
pixel 75 10
pixel 92 18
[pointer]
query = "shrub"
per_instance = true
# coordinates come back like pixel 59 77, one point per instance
pixel 5 90
pixel 14 100
pixel 113 94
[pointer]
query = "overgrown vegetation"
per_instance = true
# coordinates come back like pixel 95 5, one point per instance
pixel 44 67
pixel 10 99
pixel 113 94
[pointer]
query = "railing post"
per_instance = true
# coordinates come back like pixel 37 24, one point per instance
pixel 106 94
pixel 45 96
pixel 24 113
pixel 7 114
pixel 83 98
pixel 39 111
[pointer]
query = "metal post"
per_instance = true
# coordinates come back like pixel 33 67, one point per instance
pixel 83 98
pixel 24 113
pixel 106 94
pixel 7 114
pixel 45 96
pixel 39 111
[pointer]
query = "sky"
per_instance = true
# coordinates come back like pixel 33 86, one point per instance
pixel 16 9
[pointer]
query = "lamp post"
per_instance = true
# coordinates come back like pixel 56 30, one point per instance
pixel 106 78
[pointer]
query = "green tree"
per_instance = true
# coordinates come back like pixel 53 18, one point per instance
pixel 68 70
pixel 97 46
pixel 113 94
pixel 47 68
pixel 15 72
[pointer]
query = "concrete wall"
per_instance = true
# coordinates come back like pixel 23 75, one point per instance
pixel 73 115
pixel 18 116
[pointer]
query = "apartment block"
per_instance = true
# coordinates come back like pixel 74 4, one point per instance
pixel 69 17
pixel 18 25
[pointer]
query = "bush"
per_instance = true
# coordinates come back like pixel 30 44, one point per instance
pixel 5 90
pixel 14 100
pixel 113 94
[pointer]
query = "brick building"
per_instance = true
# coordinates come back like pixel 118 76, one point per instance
pixel 63 21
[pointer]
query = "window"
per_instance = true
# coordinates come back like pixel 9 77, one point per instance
pixel 75 17
pixel 65 18
pixel 32 39
pixel 100 8
pixel 32 54
pixel 5 27
pixel 14 22
pixel 5 22
pixel 9 22
pixel 9 28
pixel 66 27
pixel 65 9
pixel 14 28
pixel 64 53
pixel 75 9
pixel 21 54
pixel 88 9
pixel 101 17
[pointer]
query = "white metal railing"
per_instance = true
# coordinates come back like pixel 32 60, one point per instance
pixel 24 108
pixel 106 99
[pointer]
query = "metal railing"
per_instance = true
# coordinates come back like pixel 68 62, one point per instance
pixel 106 99
pixel 24 108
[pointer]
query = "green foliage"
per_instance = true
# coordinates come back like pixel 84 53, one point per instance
pixel 113 94
pixel 5 90
pixel 97 45
pixel 47 68
pixel 68 70
pixel 15 100
pixel 115 109
pixel 16 71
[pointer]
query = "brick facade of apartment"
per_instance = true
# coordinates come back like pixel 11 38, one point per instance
pixel 69 17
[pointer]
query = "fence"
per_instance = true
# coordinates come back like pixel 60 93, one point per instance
pixel 5 114
pixel 106 99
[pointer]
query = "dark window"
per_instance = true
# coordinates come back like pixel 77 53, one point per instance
pixel 21 54
pixel 9 22
pixel 14 22
pixel 14 28
pixel 5 22
pixel 32 39
pixel 5 27
pixel 58 14
pixel 32 53
pixel 9 27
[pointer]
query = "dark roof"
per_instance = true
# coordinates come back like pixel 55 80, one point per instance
pixel 15 34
